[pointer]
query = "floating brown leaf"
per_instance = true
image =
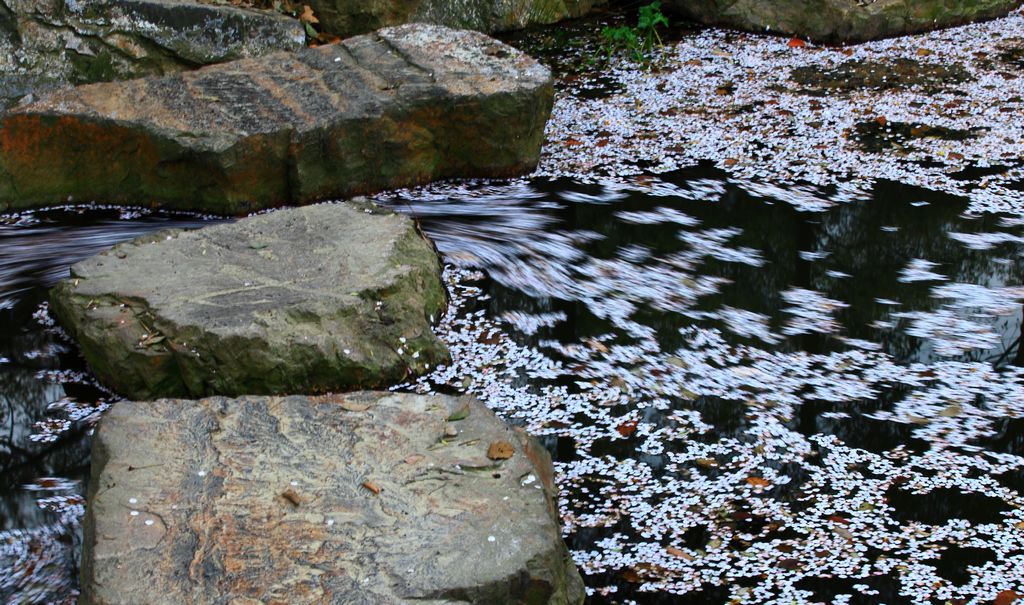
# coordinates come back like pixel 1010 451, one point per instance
pixel 758 482
pixel 631 576
pixel 627 428
pixel 678 553
pixel 1006 597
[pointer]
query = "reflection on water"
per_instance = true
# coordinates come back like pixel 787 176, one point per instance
pixel 890 272
pixel 754 395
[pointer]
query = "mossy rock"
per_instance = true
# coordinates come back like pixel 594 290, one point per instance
pixel 311 300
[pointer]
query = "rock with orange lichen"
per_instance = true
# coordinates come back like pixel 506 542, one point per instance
pixel 400 107
pixel 301 500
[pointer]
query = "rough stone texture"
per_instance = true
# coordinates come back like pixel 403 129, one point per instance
pixel 48 42
pixel 841 20
pixel 356 499
pixel 400 107
pixel 351 17
pixel 306 300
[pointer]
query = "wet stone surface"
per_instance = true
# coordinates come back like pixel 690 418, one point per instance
pixel 355 498
pixel 304 300
pixel 400 107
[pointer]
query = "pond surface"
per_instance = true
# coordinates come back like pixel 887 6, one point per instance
pixel 753 394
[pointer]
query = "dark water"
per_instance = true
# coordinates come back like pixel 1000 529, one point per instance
pixel 48 400
pixel 745 388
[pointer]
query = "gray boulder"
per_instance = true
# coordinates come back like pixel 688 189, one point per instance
pixel 400 107
pixel 364 498
pixel 44 43
pixel 836 21
pixel 351 17
pixel 308 300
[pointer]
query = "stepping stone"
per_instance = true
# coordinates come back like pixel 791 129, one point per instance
pixel 400 107
pixel 364 498
pixel 840 21
pixel 307 300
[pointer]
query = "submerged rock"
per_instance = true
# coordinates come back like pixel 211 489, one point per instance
pixel 350 17
pixel 306 300
pixel 841 20
pixel 400 107
pixel 46 42
pixel 357 498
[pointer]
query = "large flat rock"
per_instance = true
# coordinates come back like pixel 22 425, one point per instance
pixel 52 42
pixel 351 17
pixel 365 498
pixel 306 300
pixel 836 21
pixel 399 107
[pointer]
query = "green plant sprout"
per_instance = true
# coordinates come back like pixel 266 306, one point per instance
pixel 639 40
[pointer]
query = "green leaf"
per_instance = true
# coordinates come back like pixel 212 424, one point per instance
pixel 459 414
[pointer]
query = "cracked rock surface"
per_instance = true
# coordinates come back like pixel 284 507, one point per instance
pixel 48 43
pixel 306 300
pixel 360 498
pixel 403 106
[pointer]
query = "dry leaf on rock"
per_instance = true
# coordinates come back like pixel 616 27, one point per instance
pixel 307 15
pixel 500 450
